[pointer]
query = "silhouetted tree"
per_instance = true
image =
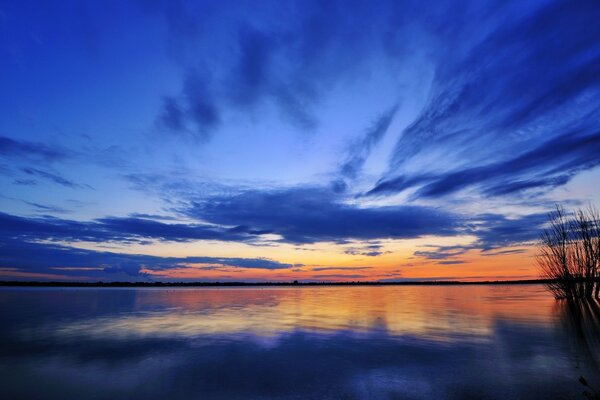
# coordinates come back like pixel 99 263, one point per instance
pixel 569 253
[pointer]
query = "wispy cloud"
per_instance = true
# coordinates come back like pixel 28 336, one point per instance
pixel 18 149
pixel 52 177
pixel 317 269
pixel 361 148
pixel 549 165
pixel 368 250
pixel 514 108
pixel 339 276
pixel 113 229
pixel 46 208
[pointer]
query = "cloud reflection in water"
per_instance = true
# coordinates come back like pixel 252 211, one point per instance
pixel 342 342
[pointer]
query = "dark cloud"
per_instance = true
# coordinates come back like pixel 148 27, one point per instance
pixel 112 229
pixel 18 149
pixel 46 208
pixel 548 165
pixel 503 252
pixel 451 262
pixel 441 252
pixel 307 215
pixel 317 269
pixel 253 59
pixel 372 253
pixel 145 228
pixel 255 49
pixel 493 232
pixel 397 184
pixel 194 111
pixel 152 216
pixel 369 250
pixel 511 109
pixel 45 258
pixel 52 177
pixel 339 276
pixel 173 115
pixel 293 214
pixel 200 104
pixel 361 149
pixel 553 162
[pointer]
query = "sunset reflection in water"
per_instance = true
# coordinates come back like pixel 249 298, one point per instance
pixel 438 313
pixel 294 342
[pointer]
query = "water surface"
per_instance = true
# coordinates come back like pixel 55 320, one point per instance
pixel 396 342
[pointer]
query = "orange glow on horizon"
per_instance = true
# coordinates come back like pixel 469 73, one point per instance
pixel 471 266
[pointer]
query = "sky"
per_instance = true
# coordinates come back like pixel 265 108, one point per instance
pixel 174 140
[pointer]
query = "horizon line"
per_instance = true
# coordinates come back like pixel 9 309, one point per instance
pixel 265 283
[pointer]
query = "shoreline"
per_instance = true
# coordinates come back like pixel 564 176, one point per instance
pixel 264 284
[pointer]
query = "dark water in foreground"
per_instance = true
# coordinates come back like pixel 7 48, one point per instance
pixel 397 342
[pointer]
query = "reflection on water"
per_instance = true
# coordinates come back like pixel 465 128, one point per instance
pixel 449 342
pixel 581 321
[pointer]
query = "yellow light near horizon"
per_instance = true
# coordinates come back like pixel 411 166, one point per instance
pixel 331 262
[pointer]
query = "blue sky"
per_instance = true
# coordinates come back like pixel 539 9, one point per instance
pixel 149 140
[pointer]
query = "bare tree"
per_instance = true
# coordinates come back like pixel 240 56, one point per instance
pixel 553 254
pixel 569 253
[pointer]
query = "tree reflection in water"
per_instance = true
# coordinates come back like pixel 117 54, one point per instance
pixel 580 318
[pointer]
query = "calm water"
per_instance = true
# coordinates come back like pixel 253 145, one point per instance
pixel 397 342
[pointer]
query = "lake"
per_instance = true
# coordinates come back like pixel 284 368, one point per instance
pixel 384 342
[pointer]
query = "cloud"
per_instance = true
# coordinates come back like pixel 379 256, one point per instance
pixel 73 262
pixel 172 115
pixel 194 111
pixel 339 276
pixel 503 252
pixel 46 208
pixel 287 58
pixel 493 232
pixel 12 148
pixel 511 109
pixel 252 69
pixel 113 229
pixel 317 269
pixel 21 238
pixel 25 182
pixel 200 106
pixel 496 231
pixel 441 252
pixel 152 216
pixel 59 180
pixel 369 250
pixel 361 149
pixel 553 162
pixel 451 262
pixel 308 215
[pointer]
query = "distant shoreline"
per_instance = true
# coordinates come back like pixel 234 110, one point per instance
pixel 265 284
